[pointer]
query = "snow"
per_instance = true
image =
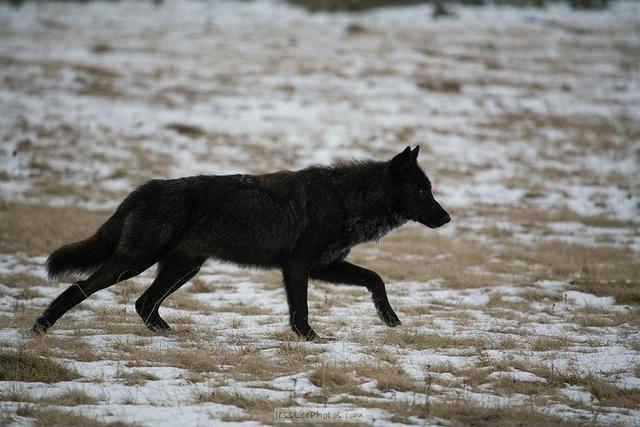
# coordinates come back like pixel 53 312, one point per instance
pixel 517 376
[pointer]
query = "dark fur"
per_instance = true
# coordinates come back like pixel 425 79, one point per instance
pixel 303 222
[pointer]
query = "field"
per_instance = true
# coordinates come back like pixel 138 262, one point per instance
pixel 524 310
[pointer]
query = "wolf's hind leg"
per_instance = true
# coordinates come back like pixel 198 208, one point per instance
pixel 351 274
pixel 114 270
pixel 173 272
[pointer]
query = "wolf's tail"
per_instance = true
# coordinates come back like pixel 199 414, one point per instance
pixel 85 257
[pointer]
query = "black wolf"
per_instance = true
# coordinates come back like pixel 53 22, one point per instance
pixel 303 222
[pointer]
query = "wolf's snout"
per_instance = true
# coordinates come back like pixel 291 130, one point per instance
pixel 444 219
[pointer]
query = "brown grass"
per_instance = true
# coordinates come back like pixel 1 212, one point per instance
pixel 465 413
pixel 198 285
pixel 470 376
pixel 296 352
pixel 544 343
pixel 382 354
pixel 258 407
pixel 245 363
pixel 421 341
pixel 118 321
pixel 508 386
pixel 244 309
pixel 70 347
pixel 624 292
pixel 333 378
pixel 186 301
pixel 562 261
pixel 71 398
pixel 39 229
pixel 22 280
pixel 15 396
pixel 136 377
pixel 389 377
pixel 602 388
pixel 49 417
pixel 434 256
pixel 25 366
pixel 608 394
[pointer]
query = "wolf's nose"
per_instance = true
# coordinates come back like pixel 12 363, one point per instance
pixel 446 219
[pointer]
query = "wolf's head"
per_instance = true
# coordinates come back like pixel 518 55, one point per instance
pixel 413 190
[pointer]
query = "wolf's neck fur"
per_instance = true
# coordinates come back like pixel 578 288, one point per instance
pixel 366 193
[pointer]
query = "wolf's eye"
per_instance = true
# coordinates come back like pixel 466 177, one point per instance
pixel 422 193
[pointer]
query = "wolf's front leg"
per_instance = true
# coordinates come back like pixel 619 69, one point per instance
pixel 351 274
pixel 296 281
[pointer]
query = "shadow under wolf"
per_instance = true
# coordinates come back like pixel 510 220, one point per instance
pixel 304 222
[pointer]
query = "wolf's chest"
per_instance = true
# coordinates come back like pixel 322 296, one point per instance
pixel 357 231
pixel 365 230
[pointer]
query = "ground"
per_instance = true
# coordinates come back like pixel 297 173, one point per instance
pixel 524 310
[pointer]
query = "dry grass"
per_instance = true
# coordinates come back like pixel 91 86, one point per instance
pixel 561 261
pixel 244 309
pixel 465 413
pixel 428 257
pixel 25 366
pixel 296 353
pixel 595 317
pixel 347 378
pixel 510 343
pixel 471 376
pixel 537 295
pixel 71 398
pixel 407 338
pixel 602 388
pixel 245 362
pixel 389 377
pixel 15 396
pixel 198 285
pixel 334 378
pixel 70 347
pixel 50 417
pixel 185 301
pixel 624 292
pixel 608 394
pixel 136 377
pixel 22 280
pixel 382 354
pixel 39 229
pixel 117 321
pixel 284 335
pixel 544 343
pixel 241 401
pixel 507 386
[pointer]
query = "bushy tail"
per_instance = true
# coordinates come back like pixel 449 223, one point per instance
pixel 77 259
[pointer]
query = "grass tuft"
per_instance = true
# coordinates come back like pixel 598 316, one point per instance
pixel 23 366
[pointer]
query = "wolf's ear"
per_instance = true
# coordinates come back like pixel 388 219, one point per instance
pixel 401 162
pixel 414 152
pixel 404 156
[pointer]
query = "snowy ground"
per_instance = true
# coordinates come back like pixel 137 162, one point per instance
pixel 522 310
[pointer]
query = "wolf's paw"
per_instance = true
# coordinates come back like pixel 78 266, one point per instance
pixel 158 325
pixel 40 327
pixel 389 317
pixel 305 332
